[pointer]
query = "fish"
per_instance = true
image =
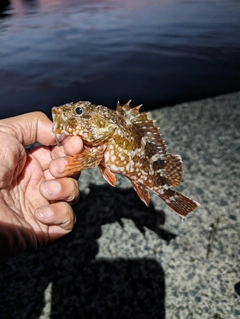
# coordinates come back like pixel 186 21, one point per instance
pixel 123 141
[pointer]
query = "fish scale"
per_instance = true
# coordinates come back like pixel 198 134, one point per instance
pixel 123 141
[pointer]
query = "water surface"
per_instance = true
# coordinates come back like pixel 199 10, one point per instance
pixel 156 52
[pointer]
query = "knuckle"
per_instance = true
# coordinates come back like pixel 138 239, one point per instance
pixel 73 191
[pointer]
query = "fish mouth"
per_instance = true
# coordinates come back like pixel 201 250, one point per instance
pixel 60 138
pixel 59 124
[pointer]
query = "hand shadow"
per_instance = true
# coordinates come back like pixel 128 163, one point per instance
pixel 82 286
pixel 112 204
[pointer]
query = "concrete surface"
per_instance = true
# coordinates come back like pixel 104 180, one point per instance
pixel 124 260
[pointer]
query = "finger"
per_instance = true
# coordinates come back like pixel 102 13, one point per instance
pixel 58 165
pixel 30 128
pixel 73 145
pixel 70 146
pixel 43 155
pixel 59 216
pixel 62 189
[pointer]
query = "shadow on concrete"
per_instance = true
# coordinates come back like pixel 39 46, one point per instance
pixel 82 286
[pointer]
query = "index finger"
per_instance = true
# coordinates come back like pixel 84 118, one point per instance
pixel 71 145
pixel 62 156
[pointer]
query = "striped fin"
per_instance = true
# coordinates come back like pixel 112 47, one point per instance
pixel 149 133
pixel 180 204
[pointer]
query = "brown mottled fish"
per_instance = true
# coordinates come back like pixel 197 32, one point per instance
pixel 126 142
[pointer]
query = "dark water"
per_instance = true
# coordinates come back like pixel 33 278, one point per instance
pixel 156 52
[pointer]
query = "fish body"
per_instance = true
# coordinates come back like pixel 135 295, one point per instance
pixel 123 141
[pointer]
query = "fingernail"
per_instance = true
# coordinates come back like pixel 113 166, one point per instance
pixel 44 212
pixel 52 187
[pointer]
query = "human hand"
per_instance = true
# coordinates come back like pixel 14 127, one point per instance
pixel 35 192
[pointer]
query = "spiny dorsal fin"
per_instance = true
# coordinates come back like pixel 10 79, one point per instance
pixel 123 109
pixel 150 133
pixel 170 165
pixel 130 113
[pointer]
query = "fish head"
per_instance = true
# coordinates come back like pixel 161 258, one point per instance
pixel 83 119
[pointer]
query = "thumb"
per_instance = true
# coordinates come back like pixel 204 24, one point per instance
pixel 29 128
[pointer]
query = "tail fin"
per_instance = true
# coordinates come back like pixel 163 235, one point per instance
pixel 179 203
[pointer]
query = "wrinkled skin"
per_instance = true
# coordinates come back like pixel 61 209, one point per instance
pixel 35 192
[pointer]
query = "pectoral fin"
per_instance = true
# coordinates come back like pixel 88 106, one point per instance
pixel 89 158
pixel 108 175
pixel 142 193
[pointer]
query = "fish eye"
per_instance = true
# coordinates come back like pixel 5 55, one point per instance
pixel 79 110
